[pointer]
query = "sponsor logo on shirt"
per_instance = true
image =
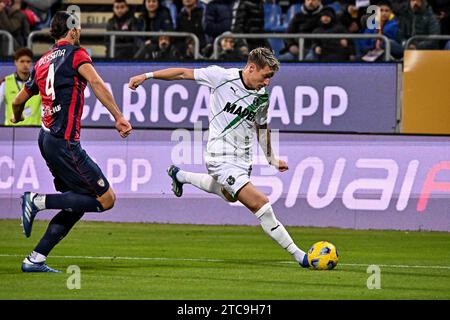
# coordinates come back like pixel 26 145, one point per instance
pixel 239 111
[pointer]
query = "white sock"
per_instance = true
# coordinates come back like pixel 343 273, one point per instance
pixel 299 254
pixel 202 181
pixel 277 232
pixel 39 200
pixel 36 257
pixel 181 176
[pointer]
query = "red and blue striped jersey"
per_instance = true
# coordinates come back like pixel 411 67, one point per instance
pixel 55 76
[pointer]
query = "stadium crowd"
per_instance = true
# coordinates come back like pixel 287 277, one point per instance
pixel 398 21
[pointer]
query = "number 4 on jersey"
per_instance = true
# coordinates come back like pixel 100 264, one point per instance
pixel 49 88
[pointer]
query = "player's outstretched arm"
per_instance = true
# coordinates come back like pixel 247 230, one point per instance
pixel 264 140
pixel 106 98
pixel 165 74
pixel 19 104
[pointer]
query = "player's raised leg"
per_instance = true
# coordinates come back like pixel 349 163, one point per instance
pixel 259 204
pixel 202 181
pixel 32 203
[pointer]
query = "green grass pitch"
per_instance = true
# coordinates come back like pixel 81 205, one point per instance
pixel 154 261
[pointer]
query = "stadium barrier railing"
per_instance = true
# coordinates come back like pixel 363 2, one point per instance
pixel 425 37
pixel 114 34
pixel 301 40
pixel 216 46
pixel 10 41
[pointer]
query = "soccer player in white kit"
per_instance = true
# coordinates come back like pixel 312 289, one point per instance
pixel 238 108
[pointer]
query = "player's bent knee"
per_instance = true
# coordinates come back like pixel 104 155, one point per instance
pixel 107 203
pixel 228 196
pixel 107 200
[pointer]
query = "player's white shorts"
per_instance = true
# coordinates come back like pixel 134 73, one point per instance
pixel 232 176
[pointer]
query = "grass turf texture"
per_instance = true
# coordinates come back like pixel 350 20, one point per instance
pixel 151 261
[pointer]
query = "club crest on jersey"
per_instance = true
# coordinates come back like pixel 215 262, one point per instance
pixel 239 111
pixel 259 100
pixel 231 180
pixel 101 182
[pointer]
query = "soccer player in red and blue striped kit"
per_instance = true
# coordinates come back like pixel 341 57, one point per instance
pixel 60 77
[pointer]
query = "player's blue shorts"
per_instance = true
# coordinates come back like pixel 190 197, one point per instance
pixel 71 167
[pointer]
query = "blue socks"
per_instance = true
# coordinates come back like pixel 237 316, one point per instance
pixel 57 229
pixel 71 201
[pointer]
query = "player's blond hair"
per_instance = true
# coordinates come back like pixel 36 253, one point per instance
pixel 262 57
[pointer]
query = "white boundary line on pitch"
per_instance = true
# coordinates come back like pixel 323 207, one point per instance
pixel 386 265
pixel 222 260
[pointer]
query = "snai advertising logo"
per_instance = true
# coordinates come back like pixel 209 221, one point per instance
pixel 321 172
pixel 380 192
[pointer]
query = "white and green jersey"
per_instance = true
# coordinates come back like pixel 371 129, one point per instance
pixel 234 110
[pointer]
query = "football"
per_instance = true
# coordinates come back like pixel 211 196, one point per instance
pixel 323 255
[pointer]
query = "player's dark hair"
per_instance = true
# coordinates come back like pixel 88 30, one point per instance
pixel 59 26
pixel 121 1
pixel 262 57
pixel 23 52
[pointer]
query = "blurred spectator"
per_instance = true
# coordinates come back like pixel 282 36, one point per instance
pixel 32 18
pixel 389 27
pixel 13 20
pixel 228 52
pixel 123 20
pixel 188 50
pixel 447 45
pixel 218 17
pixel 154 17
pixel 190 19
pixel 11 86
pixel 397 6
pixel 352 12
pixel 234 9
pixel 249 19
pixel 173 9
pixel 163 51
pixel 442 10
pixel 305 21
pixel 331 49
pixel 40 11
pixel 419 19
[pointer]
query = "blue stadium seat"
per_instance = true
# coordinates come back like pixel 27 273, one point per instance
pixel 272 23
pixel 276 45
pixel 272 17
pixel 336 6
